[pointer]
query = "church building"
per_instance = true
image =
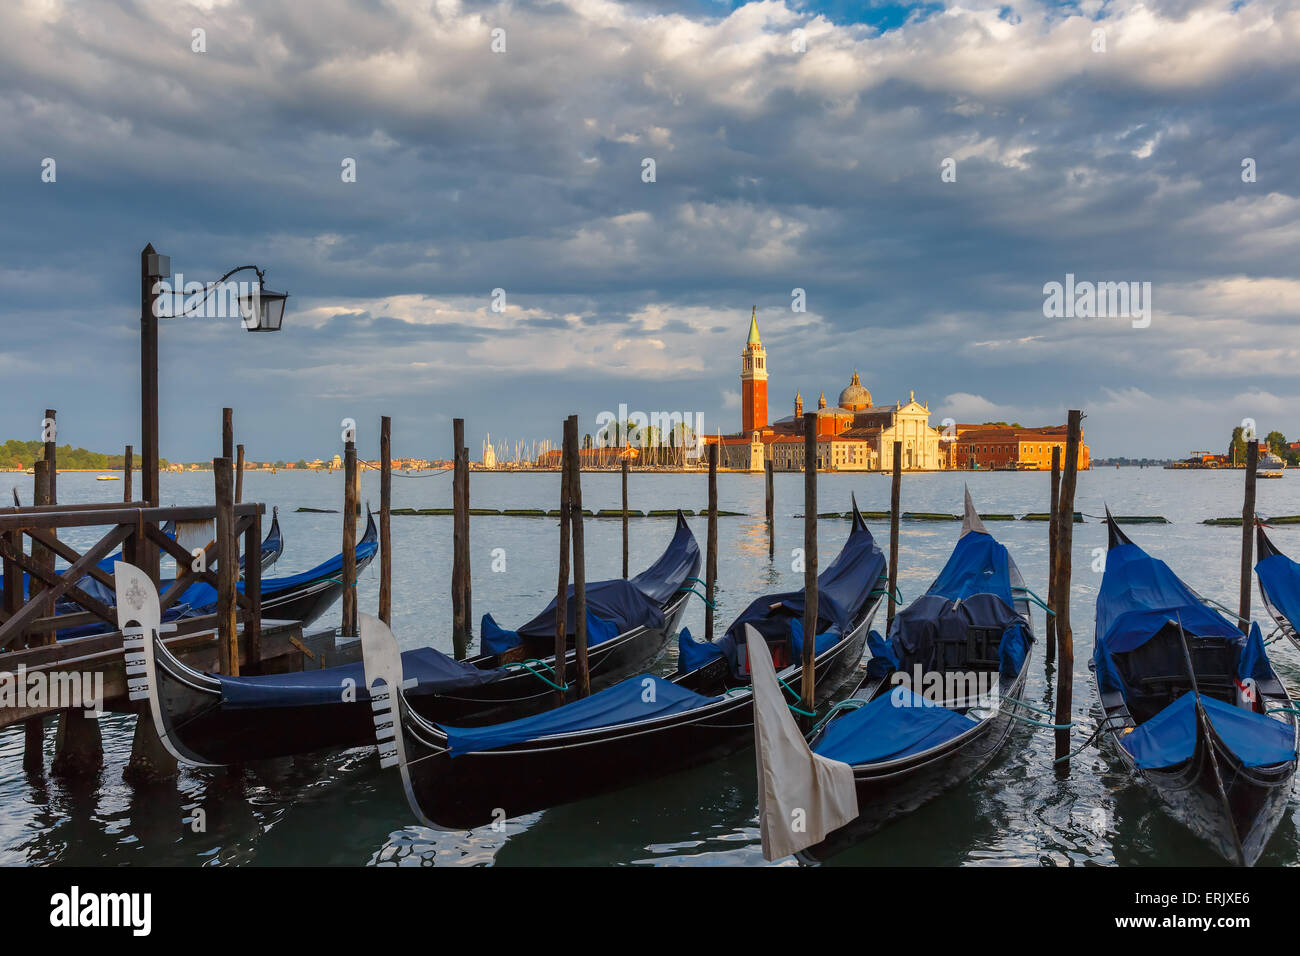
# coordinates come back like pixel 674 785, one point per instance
pixel 854 435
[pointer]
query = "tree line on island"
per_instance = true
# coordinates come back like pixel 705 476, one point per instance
pixel 1274 441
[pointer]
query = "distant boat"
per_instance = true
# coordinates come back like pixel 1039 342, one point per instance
pixel 1270 474
pixel 108 478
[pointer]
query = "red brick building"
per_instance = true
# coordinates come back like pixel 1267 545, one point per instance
pixel 1006 447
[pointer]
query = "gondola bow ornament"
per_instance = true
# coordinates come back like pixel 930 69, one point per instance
pixel 382 661
pixel 139 618
pixel 801 797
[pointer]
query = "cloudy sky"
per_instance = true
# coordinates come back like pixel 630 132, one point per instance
pixel 796 145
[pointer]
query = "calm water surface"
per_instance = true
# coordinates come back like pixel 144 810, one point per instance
pixel 341 809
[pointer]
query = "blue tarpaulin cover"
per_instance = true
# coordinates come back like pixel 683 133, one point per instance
pixel 693 654
pixel 434 671
pixel 1169 738
pixel 495 639
pixel 1140 595
pixel 843 589
pixel 1279 579
pixel 972 590
pixel 897 724
pixel 203 597
pixel 637 698
pixel 681 559
pixel 824 642
pixel 977 565
pixel 618 601
pixel 613 607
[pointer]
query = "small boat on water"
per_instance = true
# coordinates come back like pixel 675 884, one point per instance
pixel 1191 705
pixel 638 730
pixel 935 707
pixel 210 720
pixel 108 477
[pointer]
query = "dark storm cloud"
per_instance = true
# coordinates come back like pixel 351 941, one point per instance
pixel 775 170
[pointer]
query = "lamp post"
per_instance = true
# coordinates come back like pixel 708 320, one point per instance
pixel 261 310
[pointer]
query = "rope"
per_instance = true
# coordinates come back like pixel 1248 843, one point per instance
pixel 1282 710
pixel 542 677
pixel 1091 737
pixel 700 596
pixel 1028 706
pixel 1037 600
pixel 796 696
pixel 851 703
pixel 898 593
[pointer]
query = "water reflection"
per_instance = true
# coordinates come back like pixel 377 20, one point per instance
pixel 341 809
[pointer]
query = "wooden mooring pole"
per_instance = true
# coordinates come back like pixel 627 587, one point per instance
pixel 34 729
pixel 809 691
pixel 1064 636
pixel 228 433
pixel 385 520
pixel 350 504
pixel 1248 535
pixel 625 469
pixel 579 559
pixel 460 610
pixel 770 510
pixel 895 498
pixel 711 546
pixel 126 476
pixel 1049 627
pixel 227 566
pixel 562 588
pixel 239 475
pixel 51 457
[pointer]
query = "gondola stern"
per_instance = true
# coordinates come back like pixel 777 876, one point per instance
pixel 970 519
pixel 1114 534
pixel 1263 546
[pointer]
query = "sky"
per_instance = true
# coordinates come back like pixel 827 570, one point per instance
pixel 922 173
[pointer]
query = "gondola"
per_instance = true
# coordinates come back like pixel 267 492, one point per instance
pixel 297 597
pixel 639 729
pixel 1191 705
pixel 210 720
pixel 1279 583
pixel 272 544
pixel 937 703
pixel 300 597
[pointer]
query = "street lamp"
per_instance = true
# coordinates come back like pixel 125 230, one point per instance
pixel 261 310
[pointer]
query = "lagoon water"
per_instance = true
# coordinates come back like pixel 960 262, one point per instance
pixel 341 809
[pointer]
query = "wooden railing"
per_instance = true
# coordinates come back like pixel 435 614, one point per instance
pixel 33 618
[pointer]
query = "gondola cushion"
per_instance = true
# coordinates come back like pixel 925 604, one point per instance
pixel 894 725
pixel 1169 738
pixel 635 699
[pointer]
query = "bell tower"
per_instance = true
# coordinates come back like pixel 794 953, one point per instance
pixel 753 380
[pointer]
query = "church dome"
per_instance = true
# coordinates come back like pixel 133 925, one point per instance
pixel 855 397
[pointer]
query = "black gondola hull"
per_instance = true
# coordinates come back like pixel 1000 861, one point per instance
pixel 889 791
pixel 477 788
pixel 216 733
pixel 1256 797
